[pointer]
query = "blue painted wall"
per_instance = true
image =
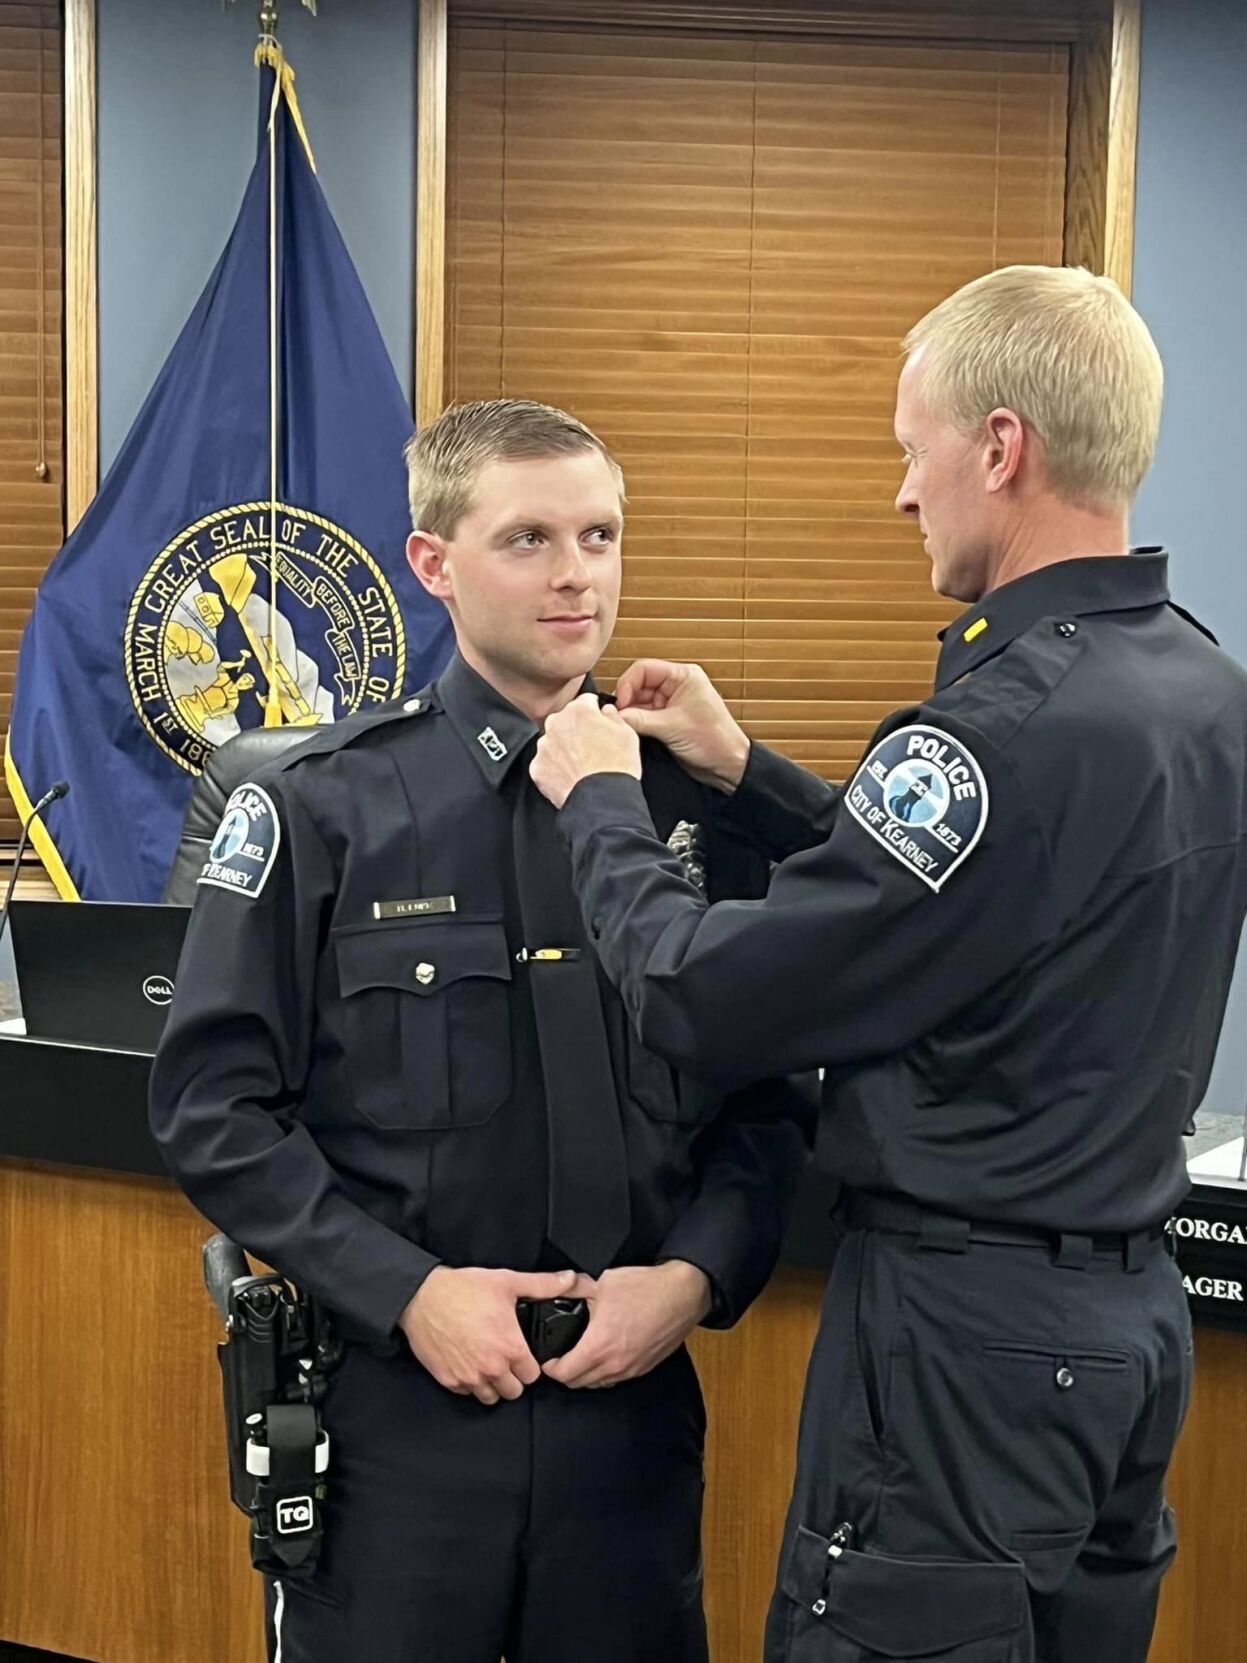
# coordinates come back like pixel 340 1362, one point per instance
pixel 1190 261
pixel 1189 275
pixel 178 102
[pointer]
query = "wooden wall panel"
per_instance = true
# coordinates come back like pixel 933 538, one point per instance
pixel 430 209
pixel 752 1378
pixel 1203 1605
pixel 119 1541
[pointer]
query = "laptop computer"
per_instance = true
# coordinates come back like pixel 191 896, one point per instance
pixel 96 972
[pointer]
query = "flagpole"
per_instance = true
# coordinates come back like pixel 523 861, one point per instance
pixel 268 40
pixel 269 51
pixel 272 707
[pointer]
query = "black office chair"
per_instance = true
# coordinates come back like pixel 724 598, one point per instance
pixel 229 766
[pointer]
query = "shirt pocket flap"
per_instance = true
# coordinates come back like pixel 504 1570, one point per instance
pixel 422 958
pixel 904 1607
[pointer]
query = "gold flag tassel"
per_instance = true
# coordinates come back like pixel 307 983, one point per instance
pixel 269 53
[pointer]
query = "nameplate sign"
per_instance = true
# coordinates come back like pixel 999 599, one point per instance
pixel 1209 1233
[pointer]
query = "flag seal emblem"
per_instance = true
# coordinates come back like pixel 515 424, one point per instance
pixel 202 644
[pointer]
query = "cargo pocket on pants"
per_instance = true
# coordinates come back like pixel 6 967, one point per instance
pixel 858 1607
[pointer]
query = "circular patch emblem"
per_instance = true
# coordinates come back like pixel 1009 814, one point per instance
pixel 208 643
pixel 231 835
pixel 917 793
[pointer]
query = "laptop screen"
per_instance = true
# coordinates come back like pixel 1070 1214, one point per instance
pixel 97 972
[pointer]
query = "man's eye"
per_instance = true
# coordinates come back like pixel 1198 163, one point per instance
pixel 527 539
pixel 603 534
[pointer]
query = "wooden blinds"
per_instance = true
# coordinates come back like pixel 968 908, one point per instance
pixel 708 248
pixel 31 472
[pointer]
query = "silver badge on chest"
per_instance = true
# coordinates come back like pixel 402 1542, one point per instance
pixel 688 844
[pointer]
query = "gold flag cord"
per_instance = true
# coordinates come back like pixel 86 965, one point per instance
pixel 40 838
pixel 269 53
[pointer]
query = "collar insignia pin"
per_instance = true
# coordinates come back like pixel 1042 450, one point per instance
pixel 490 743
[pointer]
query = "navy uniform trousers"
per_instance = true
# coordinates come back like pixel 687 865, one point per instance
pixel 994 1426
pixel 564 1527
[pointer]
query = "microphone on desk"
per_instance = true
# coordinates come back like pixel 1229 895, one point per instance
pixel 59 790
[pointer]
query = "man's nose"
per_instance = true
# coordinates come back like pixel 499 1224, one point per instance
pixel 572 570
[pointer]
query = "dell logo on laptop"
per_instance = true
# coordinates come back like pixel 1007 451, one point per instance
pixel 158 990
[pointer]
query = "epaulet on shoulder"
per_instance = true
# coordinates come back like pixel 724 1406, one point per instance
pixel 323 741
pixel 1000 696
pixel 1193 620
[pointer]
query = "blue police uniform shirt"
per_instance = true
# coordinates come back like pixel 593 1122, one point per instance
pixel 349 1083
pixel 1008 938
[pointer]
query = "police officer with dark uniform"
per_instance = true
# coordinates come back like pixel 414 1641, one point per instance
pixel 394 1072
pixel 1009 941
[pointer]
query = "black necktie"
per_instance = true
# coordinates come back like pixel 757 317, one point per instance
pixel 589 1209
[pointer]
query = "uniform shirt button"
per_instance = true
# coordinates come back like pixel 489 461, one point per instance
pixel 1066 629
pixel 424 974
pixel 1065 1377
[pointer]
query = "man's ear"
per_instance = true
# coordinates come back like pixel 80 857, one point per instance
pixel 1006 437
pixel 426 555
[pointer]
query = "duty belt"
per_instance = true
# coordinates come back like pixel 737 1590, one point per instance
pixel 941 1232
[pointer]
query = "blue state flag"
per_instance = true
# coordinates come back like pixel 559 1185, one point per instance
pixel 243 562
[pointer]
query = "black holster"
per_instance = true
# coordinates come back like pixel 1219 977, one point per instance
pixel 278 1353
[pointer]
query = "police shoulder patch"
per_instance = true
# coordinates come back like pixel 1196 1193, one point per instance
pixel 922 795
pixel 245 845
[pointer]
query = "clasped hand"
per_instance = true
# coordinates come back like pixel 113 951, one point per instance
pixel 462 1326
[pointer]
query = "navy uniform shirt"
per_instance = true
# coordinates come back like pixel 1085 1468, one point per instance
pixel 349 1083
pixel 1009 938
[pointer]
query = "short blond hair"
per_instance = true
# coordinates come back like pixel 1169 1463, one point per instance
pixel 444 460
pixel 1064 350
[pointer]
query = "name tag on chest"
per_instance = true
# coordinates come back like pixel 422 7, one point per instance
pixel 417 908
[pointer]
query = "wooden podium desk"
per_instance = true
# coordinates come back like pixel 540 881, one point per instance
pixel 117 1540
pixel 118 1543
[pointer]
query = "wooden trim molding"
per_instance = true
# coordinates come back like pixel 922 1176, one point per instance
pixel 1048 21
pixel 430 210
pixel 1123 139
pixel 1102 141
pixel 82 417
